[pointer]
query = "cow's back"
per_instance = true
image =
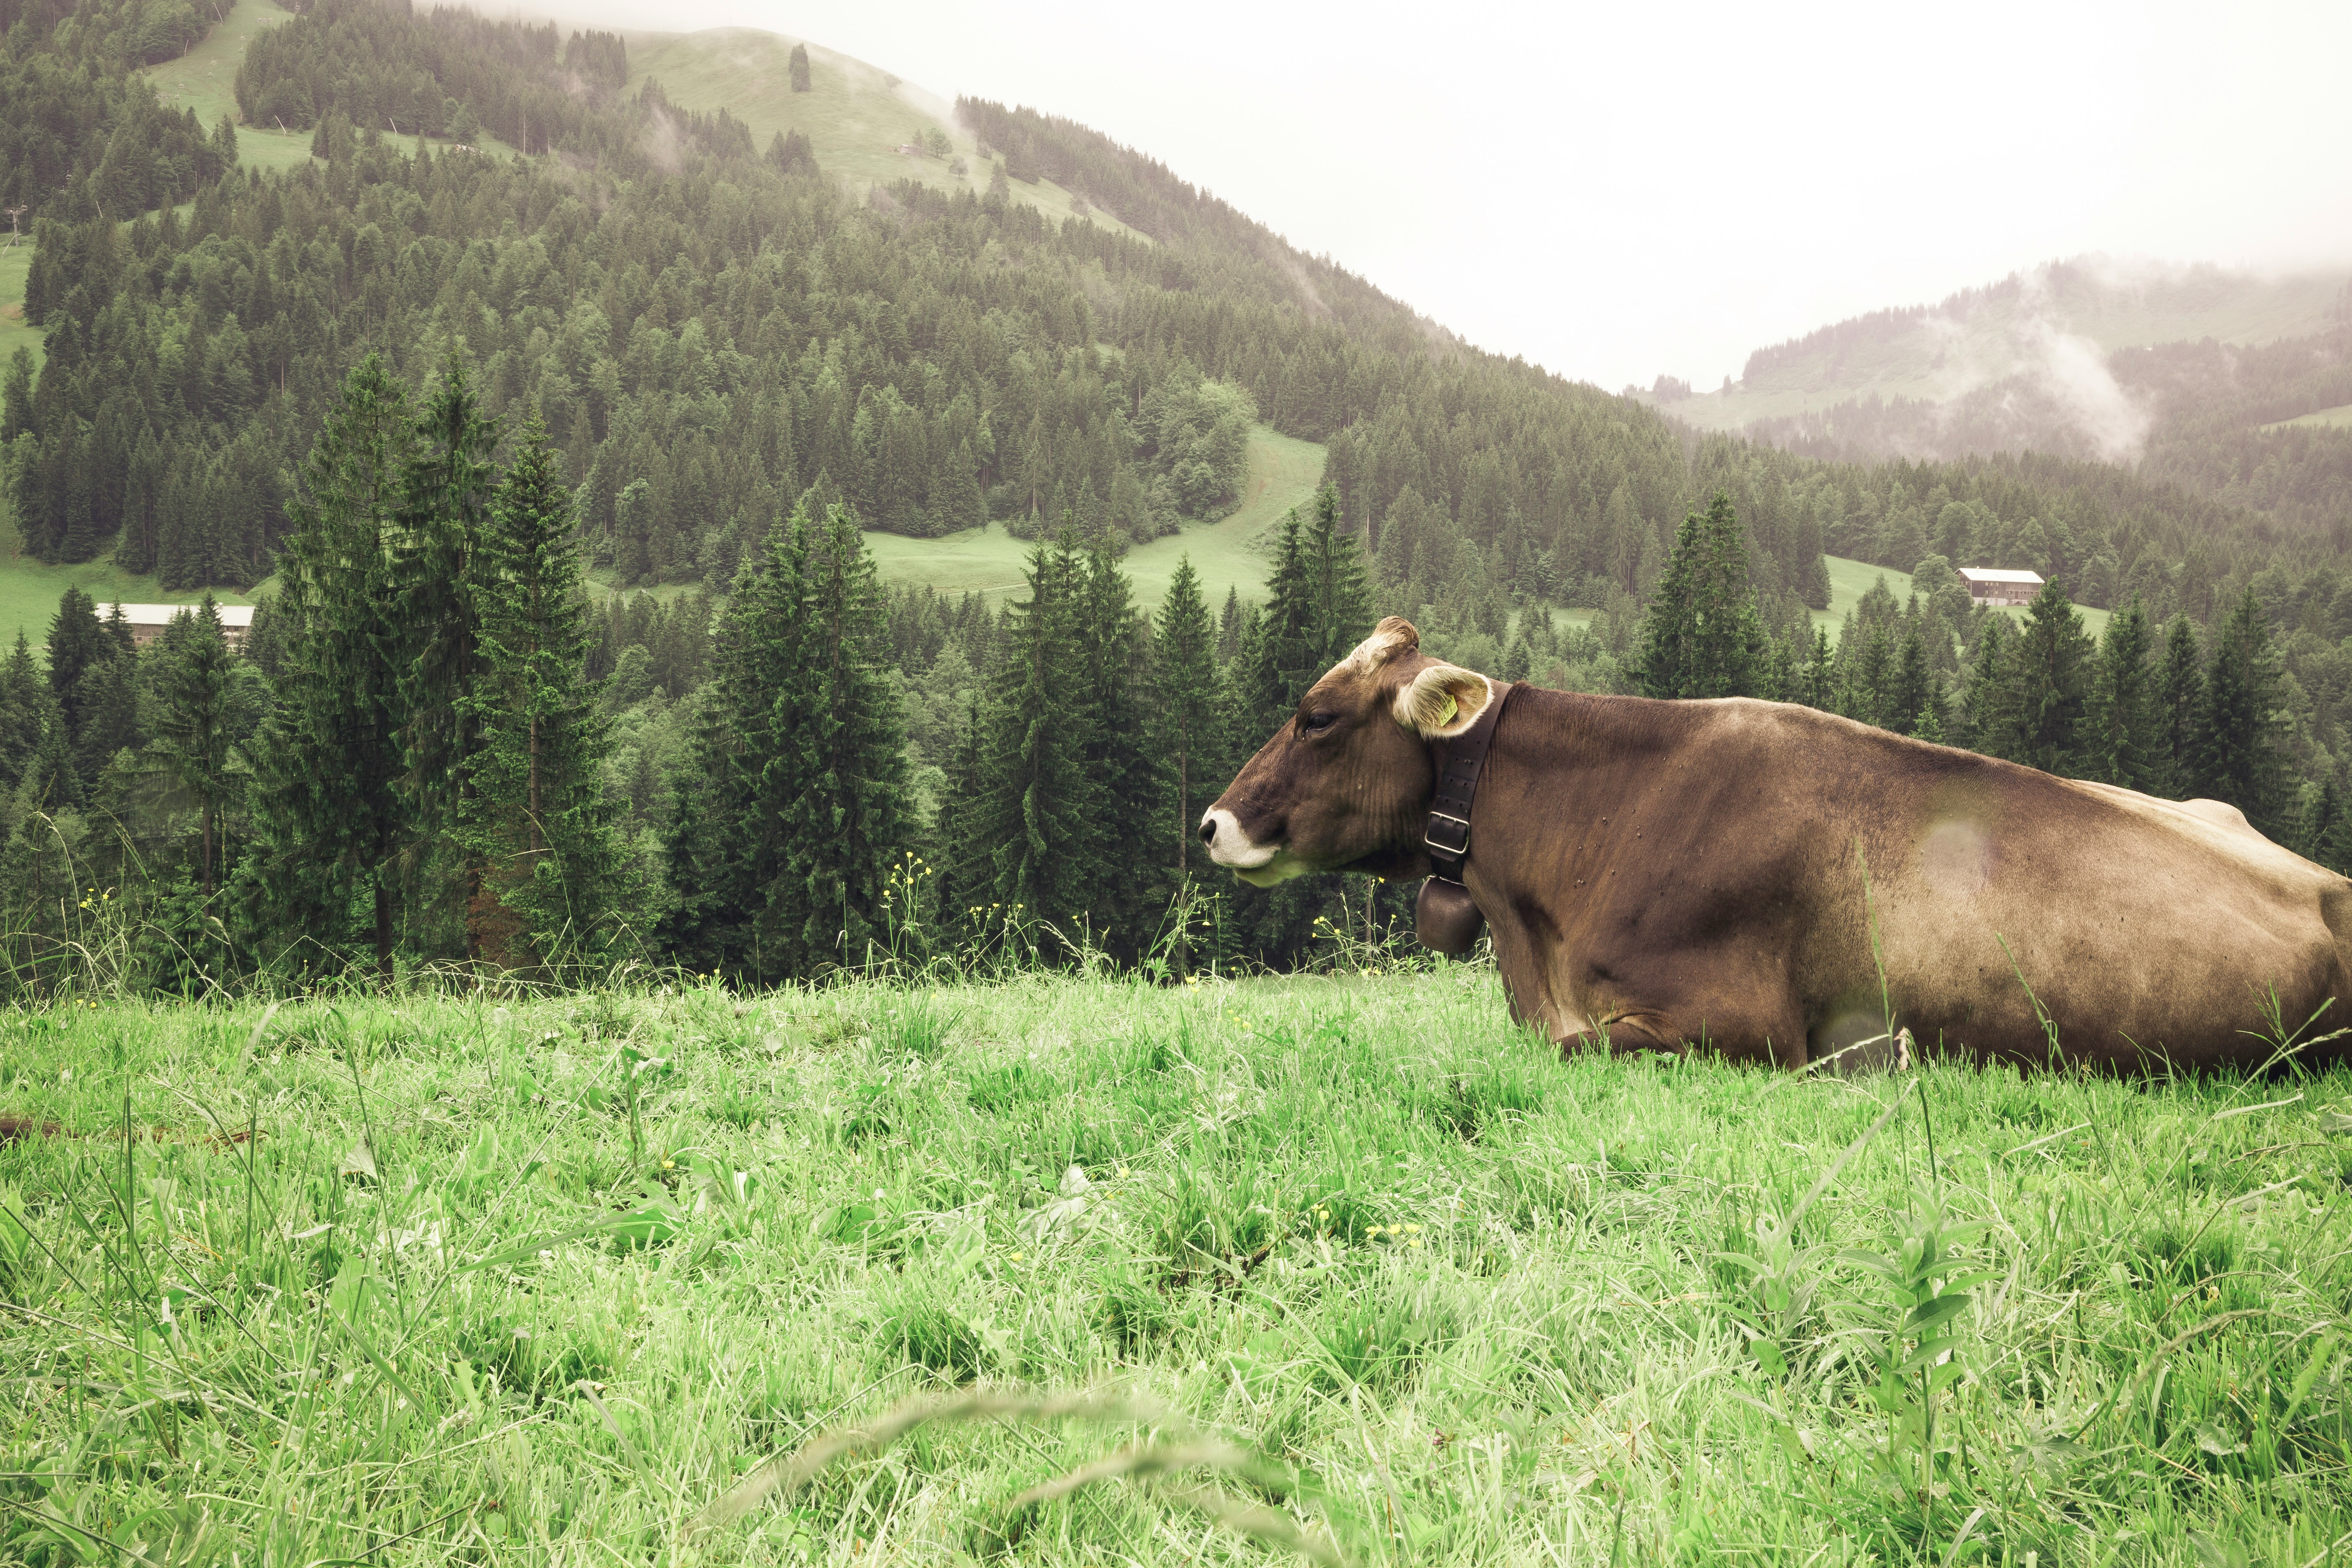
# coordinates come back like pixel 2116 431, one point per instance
pixel 2139 929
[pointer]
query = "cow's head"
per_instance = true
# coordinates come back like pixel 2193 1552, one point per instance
pixel 1347 781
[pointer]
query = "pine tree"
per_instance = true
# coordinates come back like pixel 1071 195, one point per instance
pixel 1702 637
pixel 2315 829
pixel 78 639
pixel 797 67
pixel 1869 673
pixel 2123 730
pixel 1339 592
pixel 2180 698
pixel 1910 686
pixel 2049 679
pixel 447 495
pixel 330 812
pixel 1125 772
pixel 2240 754
pixel 725 842
pixel 25 701
pixel 1992 722
pixel 108 696
pixel 1186 712
pixel 201 710
pixel 1036 804
pixel 849 821
pixel 1269 686
pixel 533 812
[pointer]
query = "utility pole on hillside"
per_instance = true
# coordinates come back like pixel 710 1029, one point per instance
pixel 14 213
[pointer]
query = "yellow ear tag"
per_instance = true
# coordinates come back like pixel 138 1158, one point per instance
pixel 1452 707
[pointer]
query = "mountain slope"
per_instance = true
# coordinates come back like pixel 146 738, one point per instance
pixel 2050 324
pixel 862 121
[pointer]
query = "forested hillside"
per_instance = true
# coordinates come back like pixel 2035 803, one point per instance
pixel 729 365
pixel 2217 383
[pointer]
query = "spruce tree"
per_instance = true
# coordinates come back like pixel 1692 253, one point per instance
pixel 1034 816
pixel 2240 758
pixel 447 484
pixel 1869 673
pixel 1911 685
pixel 1991 726
pixel 2315 829
pixel 1702 637
pixel 848 820
pixel 2123 736
pixel 329 813
pixel 25 700
pixel 797 68
pixel 201 712
pixel 1338 592
pixel 78 639
pixel 1124 893
pixel 531 814
pixel 1186 712
pixel 2049 680
pixel 2180 698
pixel 108 696
pixel 1284 639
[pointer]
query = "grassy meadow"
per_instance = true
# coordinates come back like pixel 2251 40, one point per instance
pixel 1231 553
pixel 15 261
pixel 854 115
pixel 29 591
pixel 205 80
pixel 2337 418
pixel 1340 1264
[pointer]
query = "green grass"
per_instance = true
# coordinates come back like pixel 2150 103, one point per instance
pixel 854 115
pixel 2337 418
pixel 29 593
pixel 205 80
pixel 1448 1298
pixel 15 261
pixel 1229 554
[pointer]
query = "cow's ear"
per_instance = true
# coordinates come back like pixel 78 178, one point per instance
pixel 1441 701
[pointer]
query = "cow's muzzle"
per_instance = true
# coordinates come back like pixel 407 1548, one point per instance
pixel 1259 865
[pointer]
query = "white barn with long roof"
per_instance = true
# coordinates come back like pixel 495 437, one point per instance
pixel 148 621
pixel 1989 585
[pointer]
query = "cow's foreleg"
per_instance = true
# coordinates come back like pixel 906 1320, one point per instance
pixel 1631 1033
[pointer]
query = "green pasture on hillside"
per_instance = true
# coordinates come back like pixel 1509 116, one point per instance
pixel 29 591
pixel 15 261
pixel 205 80
pixel 2337 418
pixel 1342 1262
pixel 854 115
pixel 1233 552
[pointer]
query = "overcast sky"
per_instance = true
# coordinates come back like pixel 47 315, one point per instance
pixel 1617 191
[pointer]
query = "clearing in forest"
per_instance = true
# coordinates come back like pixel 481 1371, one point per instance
pixel 1233 552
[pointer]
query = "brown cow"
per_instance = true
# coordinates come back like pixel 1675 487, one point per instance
pixel 1663 875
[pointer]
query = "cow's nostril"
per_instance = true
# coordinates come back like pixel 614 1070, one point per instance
pixel 1209 831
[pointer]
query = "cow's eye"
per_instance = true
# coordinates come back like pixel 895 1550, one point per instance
pixel 1322 718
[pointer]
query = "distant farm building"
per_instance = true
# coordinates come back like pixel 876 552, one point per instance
pixel 148 621
pixel 1989 586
